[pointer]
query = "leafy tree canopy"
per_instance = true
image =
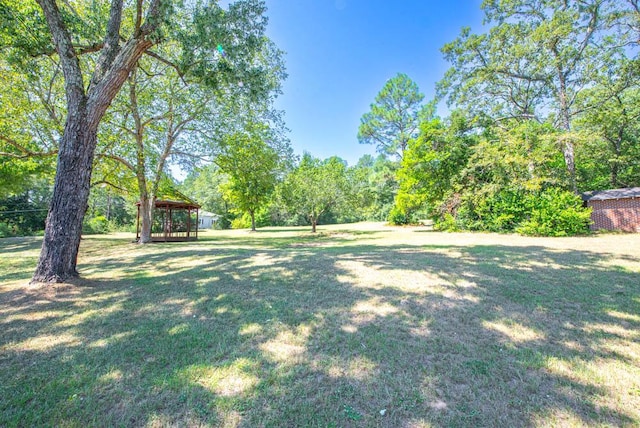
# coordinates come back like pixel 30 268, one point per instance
pixel 394 117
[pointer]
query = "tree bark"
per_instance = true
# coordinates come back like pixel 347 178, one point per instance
pixel 147 200
pixel 146 217
pixel 61 242
pixel 565 121
pixel 253 220
pixel 615 164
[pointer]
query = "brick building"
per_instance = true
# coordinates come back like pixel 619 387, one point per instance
pixel 617 209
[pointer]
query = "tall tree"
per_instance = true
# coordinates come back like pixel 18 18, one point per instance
pixel 85 106
pixel 430 172
pixel 149 125
pixel 537 57
pixel 172 119
pixel 394 117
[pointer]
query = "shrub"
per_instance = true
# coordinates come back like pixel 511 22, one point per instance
pixel 6 230
pixel 222 223
pixel 398 217
pixel 242 222
pixel 96 225
pixel 447 223
pixel 555 212
pixel 263 218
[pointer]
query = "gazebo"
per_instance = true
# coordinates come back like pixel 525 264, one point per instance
pixel 173 221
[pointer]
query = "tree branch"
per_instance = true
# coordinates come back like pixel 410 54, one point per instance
pixel 152 19
pixel 26 153
pixel 117 158
pixel 108 183
pixel 111 39
pixel 74 85
pixel 125 60
pixel 138 18
pixel 193 156
pixel 167 62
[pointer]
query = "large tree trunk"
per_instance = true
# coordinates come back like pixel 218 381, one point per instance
pixel 147 200
pixel 69 202
pixel 146 218
pixel 253 220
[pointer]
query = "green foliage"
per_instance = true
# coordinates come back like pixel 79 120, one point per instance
pixel 398 217
pixel 555 212
pixel 249 56
pixel 490 182
pixel 534 61
pixel 7 230
pixel 549 212
pixel 224 222
pixel 242 222
pixel 498 212
pixel 24 33
pixel 372 185
pixel 252 167
pixel 433 165
pixel 204 184
pixel 28 130
pixel 315 187
pixel 447 223
pixel 24 214
pixel 531 57
pixel 95 225
pixel 119 211
pixel 395 116
pixel 609 148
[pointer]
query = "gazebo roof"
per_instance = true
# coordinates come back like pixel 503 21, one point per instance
pixel 176 204
pixel 173 198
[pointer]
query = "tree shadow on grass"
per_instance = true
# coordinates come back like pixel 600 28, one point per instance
pixel 314 336
pixel 10 245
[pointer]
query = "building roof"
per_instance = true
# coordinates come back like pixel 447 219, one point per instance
pixel 603 195
pixel 170 197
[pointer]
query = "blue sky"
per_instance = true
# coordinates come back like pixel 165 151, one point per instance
pixel 339 54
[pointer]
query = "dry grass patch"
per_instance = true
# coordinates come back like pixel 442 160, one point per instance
pixel 359 325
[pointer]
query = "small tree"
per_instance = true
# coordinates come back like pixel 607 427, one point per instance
pixel 252 167
pixel 315 187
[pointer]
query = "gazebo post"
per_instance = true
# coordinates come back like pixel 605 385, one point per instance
pixel 167 222
pixel 188 222
pixel 197 223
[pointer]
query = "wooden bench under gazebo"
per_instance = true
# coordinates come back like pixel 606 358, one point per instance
pixel 173 221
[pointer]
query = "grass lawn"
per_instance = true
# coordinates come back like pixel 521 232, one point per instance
pixel 358 325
